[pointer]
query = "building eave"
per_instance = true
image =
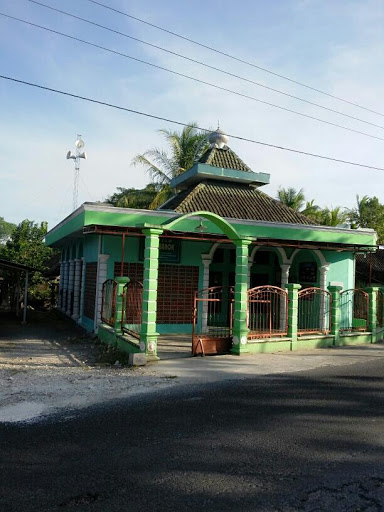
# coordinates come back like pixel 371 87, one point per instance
pixel 75 222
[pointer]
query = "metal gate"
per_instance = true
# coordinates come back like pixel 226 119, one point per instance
pixel 132 308
pixel 353 310
pixel 314 311
pixel 212 320
pixel 108 302
pixel 267 308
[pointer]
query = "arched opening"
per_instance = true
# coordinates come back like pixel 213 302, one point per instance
pixel 228 305
pixel 305 268
pixel 265 268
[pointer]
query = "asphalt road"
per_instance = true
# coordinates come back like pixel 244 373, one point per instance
pixel 311 441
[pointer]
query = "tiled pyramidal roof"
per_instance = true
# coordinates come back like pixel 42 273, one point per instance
pixel 233 200
pixel 225 158
pixel 228 195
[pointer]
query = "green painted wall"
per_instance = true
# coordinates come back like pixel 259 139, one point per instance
pixel 341 268
pixel 87 323
pixel 90 248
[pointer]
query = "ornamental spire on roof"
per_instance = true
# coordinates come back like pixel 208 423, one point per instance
pixel 218 139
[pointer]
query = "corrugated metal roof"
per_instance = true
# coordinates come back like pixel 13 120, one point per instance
pixel 233 200
pixel 10 265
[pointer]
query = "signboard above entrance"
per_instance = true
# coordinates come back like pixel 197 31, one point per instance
pixel 169 250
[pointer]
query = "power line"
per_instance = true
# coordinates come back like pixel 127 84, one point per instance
pixel 119 107
pixel 86 188
pixel 231 91
pixel 244 79
pixel 211 48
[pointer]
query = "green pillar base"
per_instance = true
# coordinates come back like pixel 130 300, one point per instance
pixel 148 345
pixel 236 351
pixel 239 345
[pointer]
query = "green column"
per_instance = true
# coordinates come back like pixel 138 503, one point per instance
pixel 372 305
pixel 380 337
pixel 121 281
pixel 240 328
pixel 293 310
pixel 148 334
pixel 335 313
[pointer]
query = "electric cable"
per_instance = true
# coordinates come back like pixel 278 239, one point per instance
pixel 190 77
pixel 179 123
pixel 211 48
pixel 86 188
pixel 204 64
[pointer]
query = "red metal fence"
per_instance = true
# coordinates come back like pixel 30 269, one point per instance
pixel 132 308
pixel 212 320
pixel 354 310
pixel 108 302
pixel 314 311
pixel 267 312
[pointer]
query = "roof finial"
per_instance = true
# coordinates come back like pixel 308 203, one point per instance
pixel 218 138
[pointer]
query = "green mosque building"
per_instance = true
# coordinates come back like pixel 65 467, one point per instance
pixel 220 264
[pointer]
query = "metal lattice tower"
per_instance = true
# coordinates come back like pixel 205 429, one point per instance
pixel 76 158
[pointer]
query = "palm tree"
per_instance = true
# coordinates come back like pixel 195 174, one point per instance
pixel 333 216
pixel 185 149
pixel 312 211
pixel 291 197
pixel 356 215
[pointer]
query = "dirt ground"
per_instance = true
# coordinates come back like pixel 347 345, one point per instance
pixel 50 364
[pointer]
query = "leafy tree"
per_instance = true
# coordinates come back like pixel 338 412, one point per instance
pixel 26 246
pixel 291 197
pixel 185 148
pixel 368 213
pixel 6 229
pixel 133 198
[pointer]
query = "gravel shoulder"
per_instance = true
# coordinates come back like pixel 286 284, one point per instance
pixel 50 365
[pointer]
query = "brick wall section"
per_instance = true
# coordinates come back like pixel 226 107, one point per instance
pixel 176 287
pixel 90 290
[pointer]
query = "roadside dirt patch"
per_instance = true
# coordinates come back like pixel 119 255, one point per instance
pixel 51 364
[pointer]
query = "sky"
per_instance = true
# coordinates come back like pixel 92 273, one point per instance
pixel 334 46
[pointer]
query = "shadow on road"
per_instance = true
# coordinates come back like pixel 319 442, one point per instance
pixel 302 442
